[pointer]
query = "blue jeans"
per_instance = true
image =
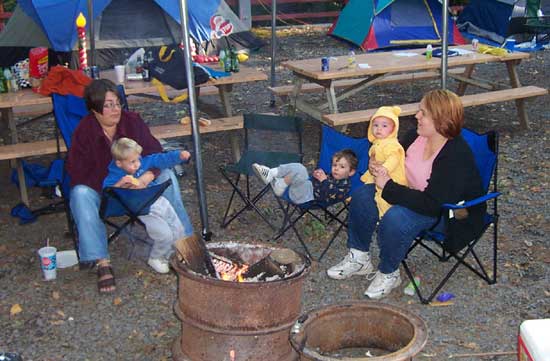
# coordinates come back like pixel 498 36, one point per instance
pixel 396 230
pixel 92 235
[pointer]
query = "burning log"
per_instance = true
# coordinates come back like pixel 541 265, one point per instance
pixel 192 251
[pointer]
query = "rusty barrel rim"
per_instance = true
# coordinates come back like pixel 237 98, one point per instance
pixel 418 340
pixel 181 268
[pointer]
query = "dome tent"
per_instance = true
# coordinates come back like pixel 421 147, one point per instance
pixel 119 26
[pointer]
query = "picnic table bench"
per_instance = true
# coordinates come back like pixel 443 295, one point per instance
pixel 16 152
pixel 340 119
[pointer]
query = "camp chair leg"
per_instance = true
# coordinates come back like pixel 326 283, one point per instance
pixel 331 241
pixel 249 203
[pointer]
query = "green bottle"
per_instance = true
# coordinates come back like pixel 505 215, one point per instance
pixel 3 82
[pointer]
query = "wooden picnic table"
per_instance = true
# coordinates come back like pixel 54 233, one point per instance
pixel 25 98
pixel 373 68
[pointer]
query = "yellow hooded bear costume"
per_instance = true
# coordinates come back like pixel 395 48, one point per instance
pixel 389 152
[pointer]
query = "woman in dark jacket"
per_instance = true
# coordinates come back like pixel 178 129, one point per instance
pixel 440 168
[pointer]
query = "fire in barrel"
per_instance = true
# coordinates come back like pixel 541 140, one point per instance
pixel 242 307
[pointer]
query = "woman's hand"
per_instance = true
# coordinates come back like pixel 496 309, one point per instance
pixel 373 163
pixel 381 176
pixel 319 174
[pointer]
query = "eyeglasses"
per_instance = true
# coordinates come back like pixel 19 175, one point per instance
pixel 111 105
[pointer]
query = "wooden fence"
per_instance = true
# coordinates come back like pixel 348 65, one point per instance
pixel 298 11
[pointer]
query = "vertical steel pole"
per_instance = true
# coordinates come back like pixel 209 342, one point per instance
pixel 245 13
pixel 194 120
pixel 444 45
pixel 273 47
pixel 92 35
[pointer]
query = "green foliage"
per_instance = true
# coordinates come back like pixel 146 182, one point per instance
pixel 314 229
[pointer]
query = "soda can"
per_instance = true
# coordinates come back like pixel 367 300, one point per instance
pixel 324 64
pixel 475 43
pixel 94 72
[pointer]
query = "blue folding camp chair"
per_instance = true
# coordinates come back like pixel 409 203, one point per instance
pixel 130 204
pixel 332 141
pixel 485 150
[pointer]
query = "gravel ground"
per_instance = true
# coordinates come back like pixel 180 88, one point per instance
pixel 68 320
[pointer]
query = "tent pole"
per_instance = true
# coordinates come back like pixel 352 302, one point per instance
pixel 273 48
pixel 444 45
pixel 194 120
pixel 92 35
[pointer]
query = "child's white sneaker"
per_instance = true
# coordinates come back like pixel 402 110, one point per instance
pixel 279 186
pixel 382 284
pixel 266 174
pixel 355 263
pixel 158 264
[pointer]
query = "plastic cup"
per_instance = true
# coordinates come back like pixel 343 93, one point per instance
pixel 119 71
pixel 48 261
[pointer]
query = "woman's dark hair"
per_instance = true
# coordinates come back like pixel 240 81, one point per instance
pixel 447 112
pixel 94 94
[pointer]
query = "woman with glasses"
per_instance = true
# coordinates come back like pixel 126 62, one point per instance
pixel 87 165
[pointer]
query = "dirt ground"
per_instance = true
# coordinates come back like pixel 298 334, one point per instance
pixel 68 320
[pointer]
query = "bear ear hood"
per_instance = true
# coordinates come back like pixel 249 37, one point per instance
pixel 390 113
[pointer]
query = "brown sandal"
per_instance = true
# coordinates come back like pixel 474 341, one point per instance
pixel 105 278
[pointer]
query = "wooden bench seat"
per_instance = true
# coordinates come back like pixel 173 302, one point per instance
pixel 470 100
pixel 285 90
pixel 44 147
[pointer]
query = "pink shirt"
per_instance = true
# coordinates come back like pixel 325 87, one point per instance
pixel 417 169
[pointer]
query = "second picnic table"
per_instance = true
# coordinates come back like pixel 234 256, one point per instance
pixel 400 65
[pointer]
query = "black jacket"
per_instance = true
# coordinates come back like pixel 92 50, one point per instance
pixel 454 178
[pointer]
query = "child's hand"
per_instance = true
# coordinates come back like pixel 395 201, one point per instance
pixel 319 174
pixel 185 155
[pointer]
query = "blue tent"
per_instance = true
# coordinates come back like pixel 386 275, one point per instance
pixel 117 24
pixel 373 24
pixel 494 19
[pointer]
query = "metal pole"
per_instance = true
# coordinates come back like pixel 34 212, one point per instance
pixel 92 35
pixel 444 45
pixel 194 120
pixel 273 47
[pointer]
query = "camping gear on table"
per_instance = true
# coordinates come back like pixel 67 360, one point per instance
pixel 114 30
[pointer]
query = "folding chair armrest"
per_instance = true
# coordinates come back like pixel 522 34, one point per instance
pixel 472 202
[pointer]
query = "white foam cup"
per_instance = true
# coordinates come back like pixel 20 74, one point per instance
pixel 119 71
pixel 48 262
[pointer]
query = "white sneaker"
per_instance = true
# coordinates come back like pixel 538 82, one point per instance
pixel 158 264
pixel 266 174
pixel 279 186
pixel 355 263
pixel 383 284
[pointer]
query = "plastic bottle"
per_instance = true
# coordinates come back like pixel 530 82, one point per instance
pixel 8 77
pixel 227 61
pixel 429 51
pixel 221 58
pixel 352 63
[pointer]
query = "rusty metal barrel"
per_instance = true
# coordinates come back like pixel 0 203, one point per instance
pixel 252 319
pixel 399 334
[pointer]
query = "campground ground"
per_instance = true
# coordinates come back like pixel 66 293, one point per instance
pixel 67 320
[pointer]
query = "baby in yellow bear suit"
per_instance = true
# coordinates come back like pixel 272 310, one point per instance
pixel 386 149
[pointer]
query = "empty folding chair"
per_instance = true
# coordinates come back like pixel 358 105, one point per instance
pixel 332 141
pixel 440 243
pixel 269 140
